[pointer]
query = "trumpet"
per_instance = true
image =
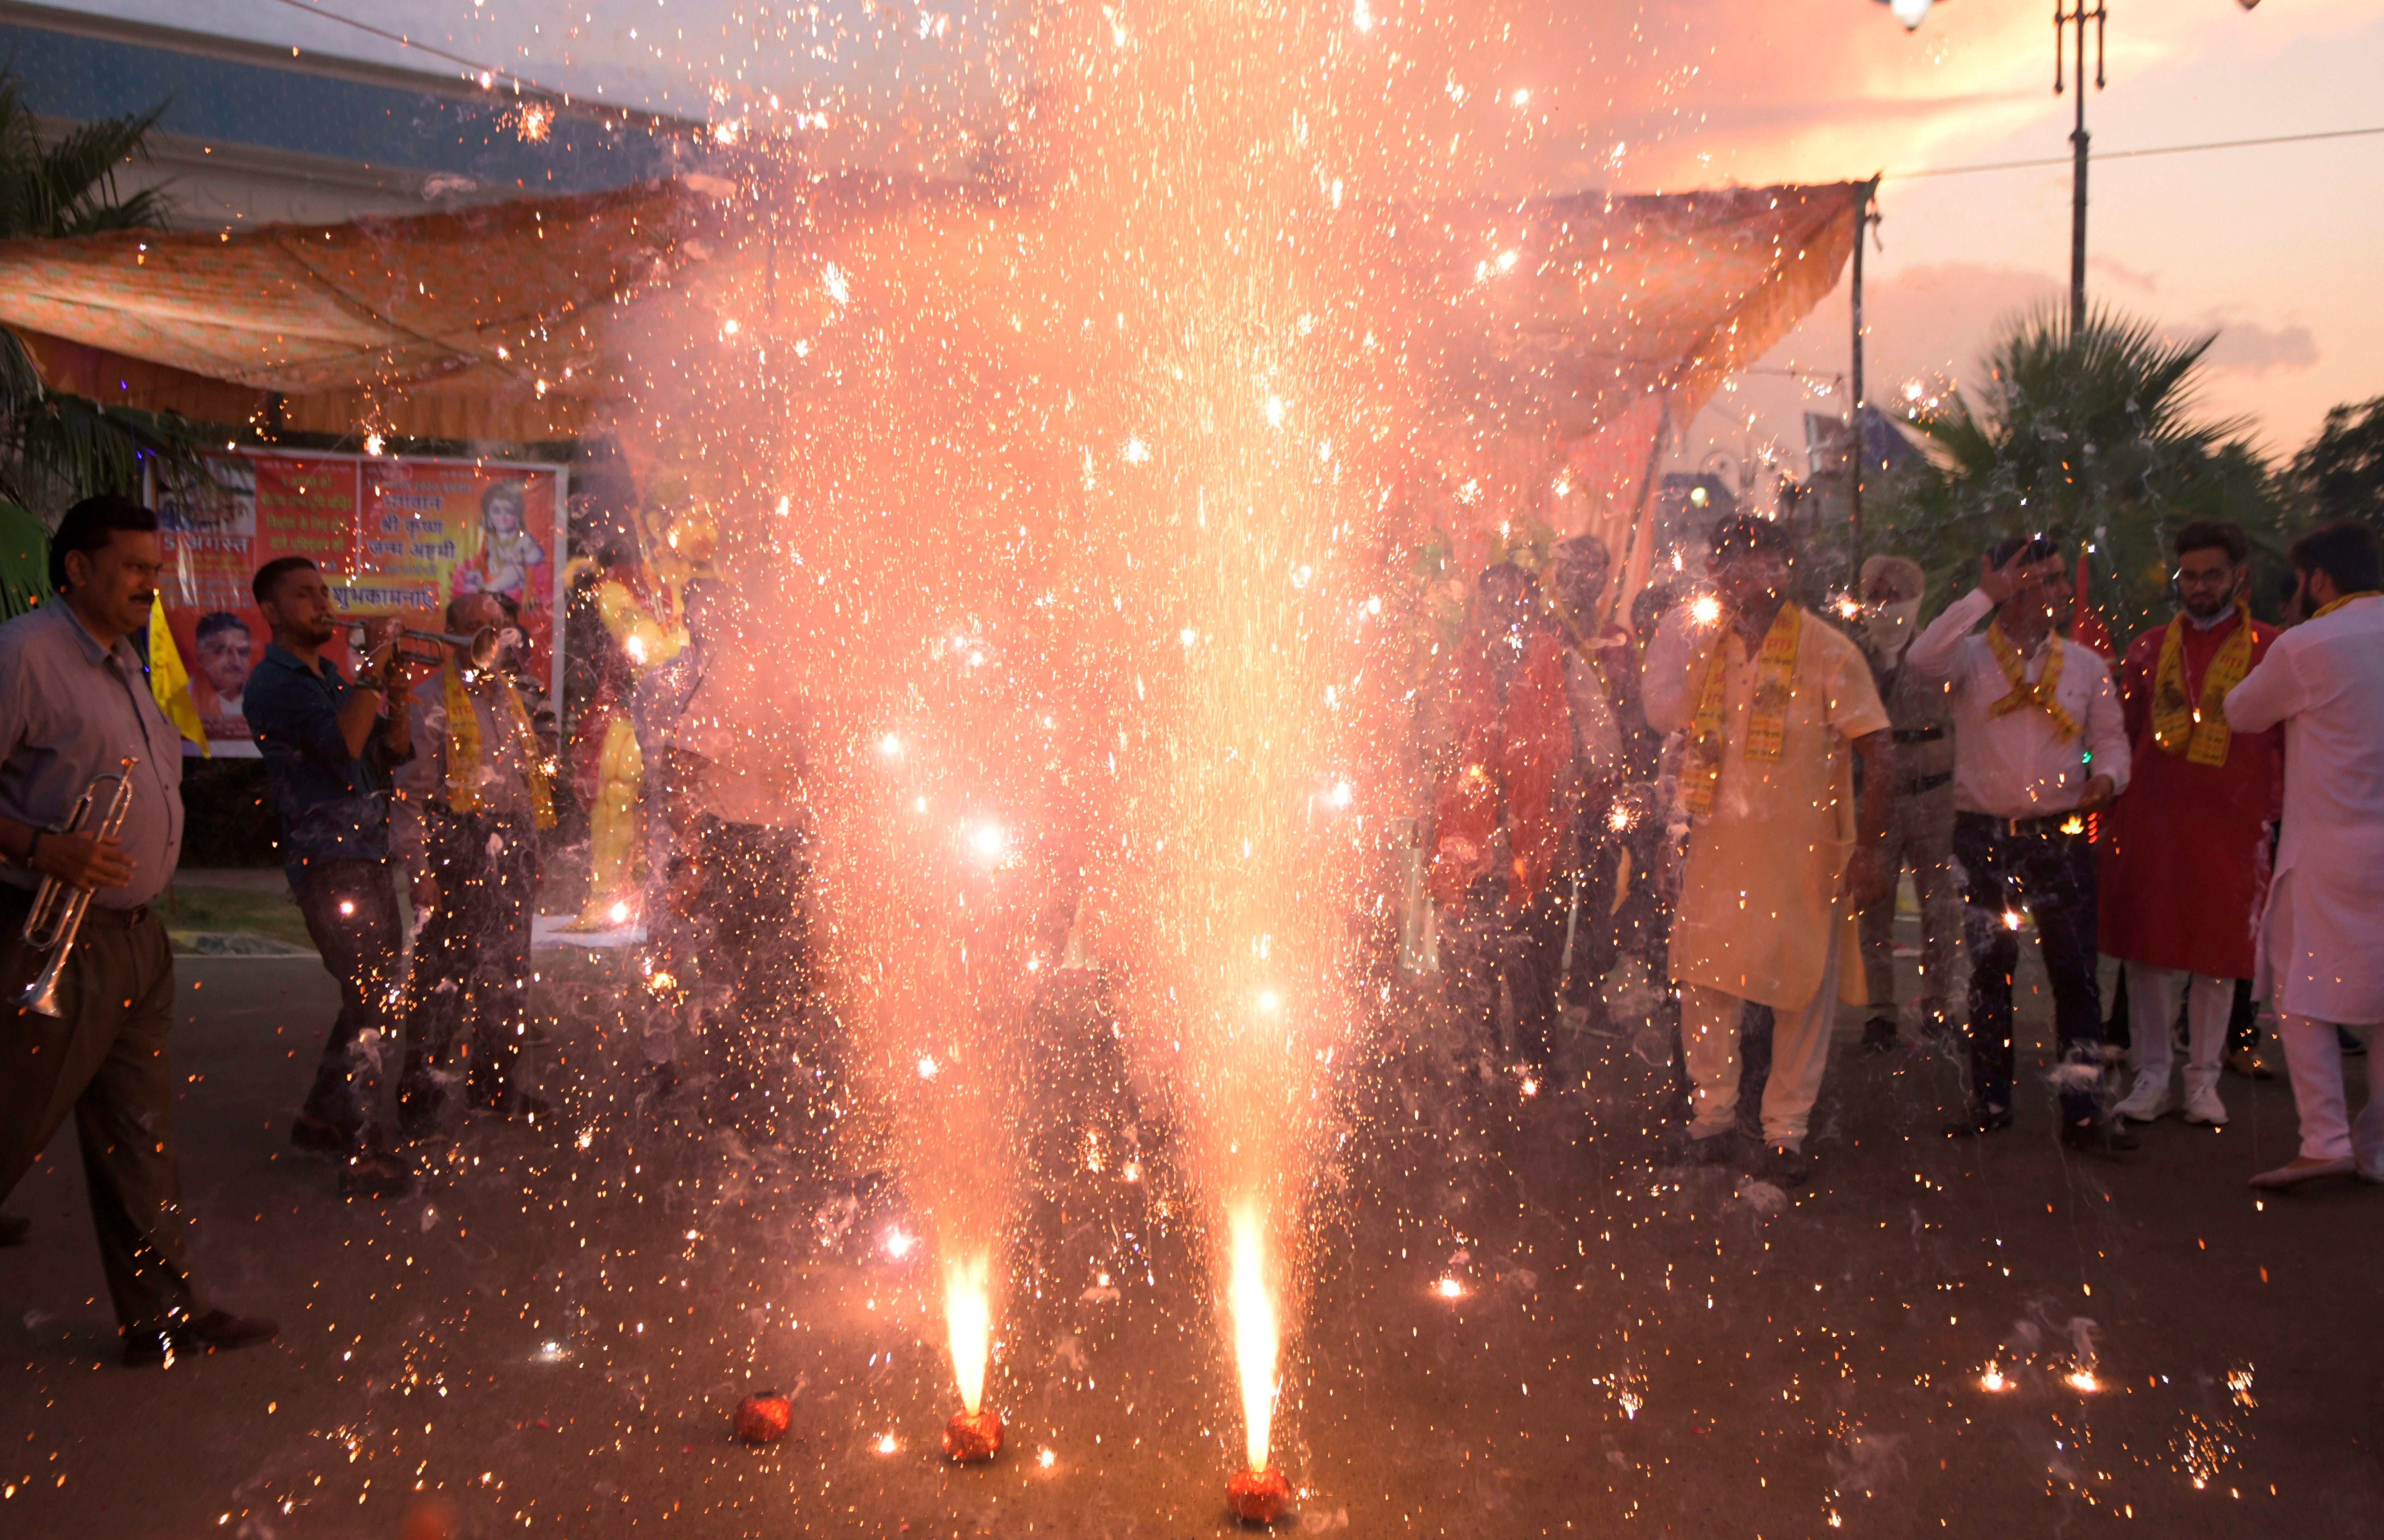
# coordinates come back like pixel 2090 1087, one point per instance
pixel 483 647
pixel 57 911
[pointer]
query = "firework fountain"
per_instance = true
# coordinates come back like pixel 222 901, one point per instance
pixel 1071 498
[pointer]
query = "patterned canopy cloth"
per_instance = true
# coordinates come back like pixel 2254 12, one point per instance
pixel 1588 320
pixel 484 323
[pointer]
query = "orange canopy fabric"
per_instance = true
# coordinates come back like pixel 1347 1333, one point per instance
pixel 1582 324
pixel 484 323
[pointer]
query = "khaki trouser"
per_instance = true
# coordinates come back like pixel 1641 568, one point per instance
pixel 105 1063
pixel 1919 834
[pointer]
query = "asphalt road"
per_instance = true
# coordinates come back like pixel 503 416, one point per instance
pixel 550 1337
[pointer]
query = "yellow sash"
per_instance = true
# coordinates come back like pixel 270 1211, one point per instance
pixel 2199 730
pixel 1767 717
pixel 2023 693
pixel 2333 604
pixel 463 750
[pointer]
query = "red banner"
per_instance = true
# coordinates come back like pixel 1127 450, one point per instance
pixel 392 536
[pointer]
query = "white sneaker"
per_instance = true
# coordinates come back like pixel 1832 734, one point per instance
pixel 2201 1105
pixel 2148 1100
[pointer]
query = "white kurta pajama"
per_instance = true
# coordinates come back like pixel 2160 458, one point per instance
pixel 1763 914
pixel 2321 943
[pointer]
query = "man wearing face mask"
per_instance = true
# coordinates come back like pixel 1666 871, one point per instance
pixel 2185 851
pixel 1920 823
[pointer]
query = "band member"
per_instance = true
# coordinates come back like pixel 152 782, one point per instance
pixel 2038 746
pixel 638 630
pixel 330 748
pixel 675 930
pixel 738 755
pixel 1920 824
pixel 2322 935
pixel 475 799
pixel 2185 852
pixel 74 707
pixel 1777 707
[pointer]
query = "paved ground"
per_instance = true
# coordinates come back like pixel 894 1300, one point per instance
pixel 550 1337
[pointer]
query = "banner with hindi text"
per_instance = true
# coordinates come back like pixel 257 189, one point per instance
pixel 392 537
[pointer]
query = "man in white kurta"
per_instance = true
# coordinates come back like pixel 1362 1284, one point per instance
pixel 2321 944
pixel 1783 702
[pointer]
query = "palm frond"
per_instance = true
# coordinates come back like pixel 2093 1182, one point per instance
pixel 21 378
pixel 73 190
pixel 2095 435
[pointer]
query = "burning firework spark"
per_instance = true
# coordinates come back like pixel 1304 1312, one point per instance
pixel 1255 1338
pixel 968 1318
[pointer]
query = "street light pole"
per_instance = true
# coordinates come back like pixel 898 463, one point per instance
pixel 2065 16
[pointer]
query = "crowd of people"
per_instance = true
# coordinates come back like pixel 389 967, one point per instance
pixel 1734 787
pixel 1726 790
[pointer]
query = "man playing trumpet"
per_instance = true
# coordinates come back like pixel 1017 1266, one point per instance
pixel 75 707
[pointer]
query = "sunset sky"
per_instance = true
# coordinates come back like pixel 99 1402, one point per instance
pixel 2275 247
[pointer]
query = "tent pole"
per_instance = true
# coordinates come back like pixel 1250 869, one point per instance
pixel 1863 218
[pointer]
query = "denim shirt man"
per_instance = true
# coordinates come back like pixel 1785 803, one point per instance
pixel 334 805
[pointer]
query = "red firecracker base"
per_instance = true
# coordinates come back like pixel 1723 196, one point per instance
pixel 763 1416
pixel 1258 1496
pixel 972 1439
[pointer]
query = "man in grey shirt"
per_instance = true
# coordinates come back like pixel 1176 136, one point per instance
pixel 75 706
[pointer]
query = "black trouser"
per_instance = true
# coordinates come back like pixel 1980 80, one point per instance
pixel 753 881
pixel 1527 949
pixel 350 910
pixel 104 1062
pixel 471 960
pixel 2008 866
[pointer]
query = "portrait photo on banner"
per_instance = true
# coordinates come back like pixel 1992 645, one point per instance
pixel 393 537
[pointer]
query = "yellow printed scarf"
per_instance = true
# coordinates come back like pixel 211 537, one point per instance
pixel 2199 731
pixel 2333 604
pixel 1767 717
pixel 2023 693
pixel 464 751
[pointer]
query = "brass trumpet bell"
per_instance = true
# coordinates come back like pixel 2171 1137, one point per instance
pixel 483 647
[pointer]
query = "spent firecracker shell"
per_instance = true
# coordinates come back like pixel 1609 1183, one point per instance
pixel 763 1416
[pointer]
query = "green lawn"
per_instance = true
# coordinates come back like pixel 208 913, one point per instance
pixel 267 912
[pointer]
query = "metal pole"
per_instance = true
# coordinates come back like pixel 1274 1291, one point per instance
pixel 2078 15
pixel 2078 140
pixel 1854 452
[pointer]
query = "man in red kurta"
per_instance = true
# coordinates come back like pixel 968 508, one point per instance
pixel 1503 808
pixel 2185 851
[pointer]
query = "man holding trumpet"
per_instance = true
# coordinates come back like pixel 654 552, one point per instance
pixel 330 748
pixel 77 719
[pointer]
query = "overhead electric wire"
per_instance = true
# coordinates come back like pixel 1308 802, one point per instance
pixel 523 82
pixel 2132 154
pixel 487 72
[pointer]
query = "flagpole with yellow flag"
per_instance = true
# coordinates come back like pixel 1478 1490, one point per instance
pixel 169 682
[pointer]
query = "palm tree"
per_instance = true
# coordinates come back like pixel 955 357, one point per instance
pixel 55 447
pixel 2093 436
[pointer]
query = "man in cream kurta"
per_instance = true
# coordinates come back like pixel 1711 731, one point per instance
pixel 2321 942
pixel 1771 884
